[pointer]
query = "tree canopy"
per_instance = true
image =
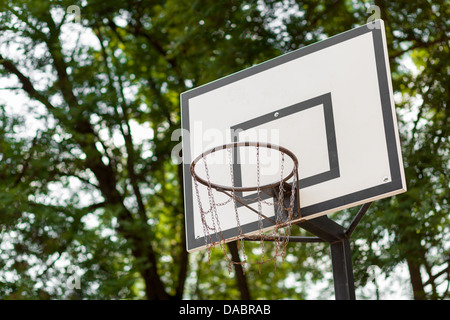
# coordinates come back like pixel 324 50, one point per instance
pixel 89 100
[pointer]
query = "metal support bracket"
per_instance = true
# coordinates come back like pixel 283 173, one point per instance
pixel 326 230
pixel 341 256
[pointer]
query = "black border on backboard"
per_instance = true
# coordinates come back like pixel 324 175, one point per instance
pixel 333 160
pixel 396 182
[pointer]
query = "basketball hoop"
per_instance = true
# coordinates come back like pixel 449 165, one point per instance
pixel 285 195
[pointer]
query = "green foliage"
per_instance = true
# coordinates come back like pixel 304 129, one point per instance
pixel 84 193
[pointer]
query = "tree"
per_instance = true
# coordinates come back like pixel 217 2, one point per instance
pixel 413 227
pixel 84 194
pixel 94 93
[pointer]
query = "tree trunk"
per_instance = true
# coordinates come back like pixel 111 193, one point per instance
pixel 239 271
pixel 416 280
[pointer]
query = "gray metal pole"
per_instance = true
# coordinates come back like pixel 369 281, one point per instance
pixel 341 257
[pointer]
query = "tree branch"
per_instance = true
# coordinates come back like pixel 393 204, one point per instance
pixel 26 164
pixel 154 287
pixel 239 272
pixel 27 86
pixel 417 45
pixel 124 119
pixel 437 275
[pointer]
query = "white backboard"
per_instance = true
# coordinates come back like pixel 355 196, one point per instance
pixel 330 103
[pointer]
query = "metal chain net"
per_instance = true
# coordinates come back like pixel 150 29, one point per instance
pixel 281 230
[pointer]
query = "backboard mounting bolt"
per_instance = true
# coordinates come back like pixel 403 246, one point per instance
pixel 385 179
pixel 276 114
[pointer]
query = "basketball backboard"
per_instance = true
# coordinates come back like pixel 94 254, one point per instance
pixel 330 103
